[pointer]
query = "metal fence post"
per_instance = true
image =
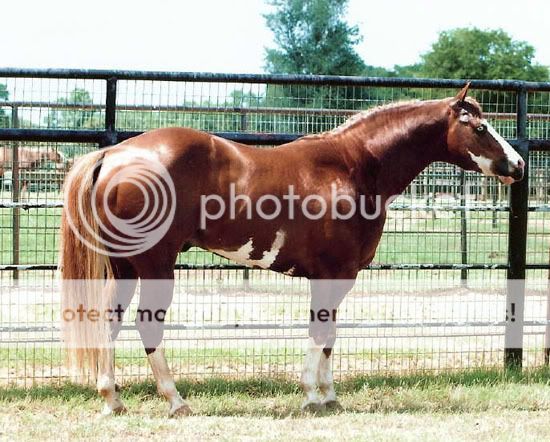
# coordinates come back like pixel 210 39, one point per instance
pixel 111 136
pixel 517 246
pixel 246 272
pixel 463 230
pixel 16 215
pixel 547 331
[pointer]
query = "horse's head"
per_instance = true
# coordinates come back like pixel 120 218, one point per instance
pixel 474 144
pixel 53 155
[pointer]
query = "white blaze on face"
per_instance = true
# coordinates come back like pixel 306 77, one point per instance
pixel 243 253
pixel 509 151
pixel 485 163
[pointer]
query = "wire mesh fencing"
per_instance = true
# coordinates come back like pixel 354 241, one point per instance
pixel 433 299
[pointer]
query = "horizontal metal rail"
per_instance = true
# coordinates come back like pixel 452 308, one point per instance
pixel 297 326
pixel 396 207
pixel 229 109
pixel 342 335
pixel 207 266
pixel 229 266
pixel 293 79
pixel 101 136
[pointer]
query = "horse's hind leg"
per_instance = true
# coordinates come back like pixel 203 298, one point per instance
pixel 155 299
pixel 120 289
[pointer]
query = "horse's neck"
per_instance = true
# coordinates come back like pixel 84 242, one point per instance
pixel 395 148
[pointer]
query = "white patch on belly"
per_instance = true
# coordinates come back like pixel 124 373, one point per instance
pixel 290 271
pixel 242 254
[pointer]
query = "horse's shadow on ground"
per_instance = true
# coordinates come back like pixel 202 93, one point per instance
pixel 281 398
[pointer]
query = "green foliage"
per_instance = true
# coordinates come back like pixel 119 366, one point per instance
pixel 4 95
pixel 3 92
pixel 481 54
pixel 312 38
pixel 75 117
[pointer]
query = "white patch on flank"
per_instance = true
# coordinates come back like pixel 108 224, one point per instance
pixel 509 151
pixel 242 254
pixel 126 157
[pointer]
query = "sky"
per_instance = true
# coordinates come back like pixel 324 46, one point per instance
pixel 230 35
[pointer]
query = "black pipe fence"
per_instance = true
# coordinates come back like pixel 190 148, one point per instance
pixel 519 104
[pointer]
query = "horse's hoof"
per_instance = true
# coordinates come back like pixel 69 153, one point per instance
pixel 117 411
pixel 333 406
pixel 313 407
pixel 182 410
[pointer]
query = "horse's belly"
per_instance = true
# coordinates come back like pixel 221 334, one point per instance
pixel 243 255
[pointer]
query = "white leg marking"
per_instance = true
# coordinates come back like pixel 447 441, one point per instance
pixel 242 254
pixel 310 372
pixel 326 381
pixel 165 382
pixel 107 388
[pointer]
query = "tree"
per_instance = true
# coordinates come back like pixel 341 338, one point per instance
pixel 81 116
pixel 4 119
pixel 479 54
pixel 312 38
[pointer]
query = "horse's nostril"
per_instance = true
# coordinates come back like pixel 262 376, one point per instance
pixel 521 163
pixel 518 173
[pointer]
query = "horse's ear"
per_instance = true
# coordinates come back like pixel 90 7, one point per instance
pixel 461 96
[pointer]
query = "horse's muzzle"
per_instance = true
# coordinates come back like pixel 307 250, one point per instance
pixel 508 170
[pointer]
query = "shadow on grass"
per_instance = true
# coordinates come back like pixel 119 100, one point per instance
pixel 279 397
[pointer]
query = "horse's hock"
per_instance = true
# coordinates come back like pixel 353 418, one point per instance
pixel 434 298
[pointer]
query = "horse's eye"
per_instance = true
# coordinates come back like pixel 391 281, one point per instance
pixel 481 128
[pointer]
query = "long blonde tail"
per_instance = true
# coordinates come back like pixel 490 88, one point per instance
pixel 84 270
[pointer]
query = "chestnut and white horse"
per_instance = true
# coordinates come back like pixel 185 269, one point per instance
pixel 372 157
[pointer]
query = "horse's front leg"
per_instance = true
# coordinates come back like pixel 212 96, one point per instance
pixel 317 380
pixel 325 379
pixel 155 299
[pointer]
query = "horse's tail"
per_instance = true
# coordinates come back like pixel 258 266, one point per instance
pixel 84 265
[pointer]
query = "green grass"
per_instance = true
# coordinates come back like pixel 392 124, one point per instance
pixel 50 357
pixel 488 405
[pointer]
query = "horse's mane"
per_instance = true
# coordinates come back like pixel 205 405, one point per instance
pixel 373 111
pixel 469 104
pixel 363 115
